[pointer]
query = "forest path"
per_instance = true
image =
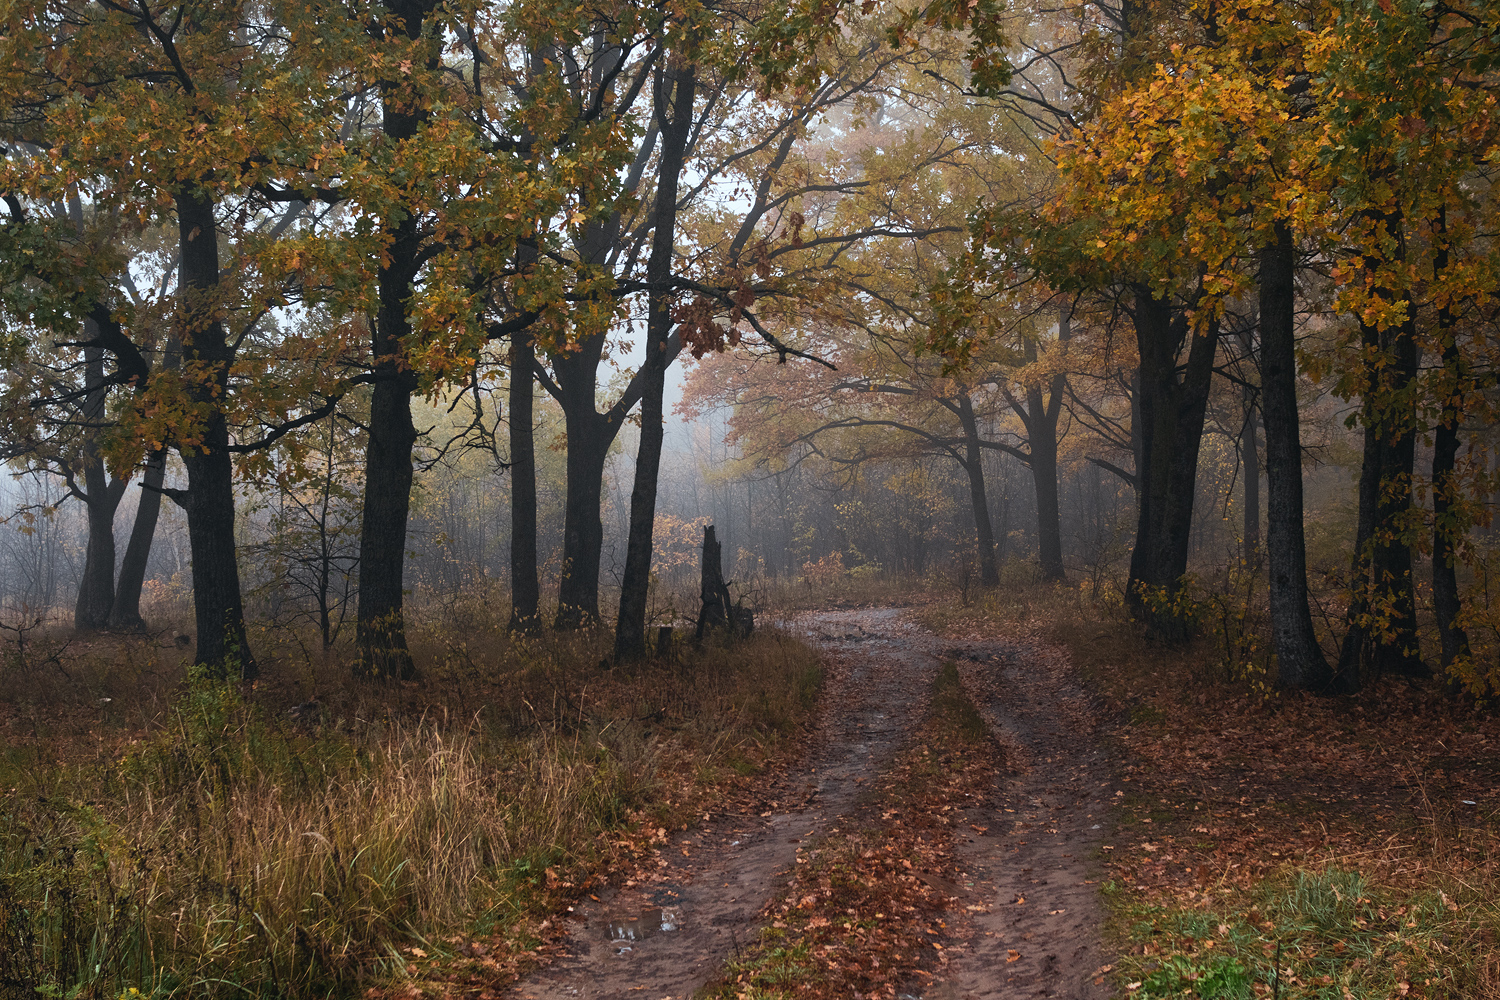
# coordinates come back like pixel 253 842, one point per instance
pixel 711 882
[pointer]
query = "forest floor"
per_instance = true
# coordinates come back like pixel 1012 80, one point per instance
pixel 1128 820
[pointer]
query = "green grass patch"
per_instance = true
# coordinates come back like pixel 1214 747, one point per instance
pixel 1327 934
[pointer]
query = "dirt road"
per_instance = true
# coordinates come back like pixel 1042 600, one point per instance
pixel 1036 930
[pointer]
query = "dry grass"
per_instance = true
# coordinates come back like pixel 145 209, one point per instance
pixel 190 837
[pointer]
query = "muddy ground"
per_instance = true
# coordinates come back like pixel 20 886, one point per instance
pixel 1031 896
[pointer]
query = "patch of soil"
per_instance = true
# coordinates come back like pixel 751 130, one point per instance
pixel 1035 863
pixel 717 877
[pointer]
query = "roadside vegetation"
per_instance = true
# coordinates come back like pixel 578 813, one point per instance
pixel 1273 843
pixel 197 838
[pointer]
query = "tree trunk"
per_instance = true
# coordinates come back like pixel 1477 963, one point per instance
pixel 590 433
pixel 630 628
pixel 1300 661
pixel 1250 470
pixel 125 612
pixel 1040 418
pixel 1170 412
pixel 589 438
pixel 209 500
pixel 989 573
pixel 525 590
pixel 1448 526
pixel 716 610
pixel 100 497
pixel 1352 652
pixel 1382 574
pixel 381 627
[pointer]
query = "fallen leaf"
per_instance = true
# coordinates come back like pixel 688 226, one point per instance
pixel 1012 955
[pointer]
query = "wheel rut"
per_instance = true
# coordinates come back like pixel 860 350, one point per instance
pixel 709 884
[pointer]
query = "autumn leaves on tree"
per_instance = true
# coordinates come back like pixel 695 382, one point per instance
pixel 948 231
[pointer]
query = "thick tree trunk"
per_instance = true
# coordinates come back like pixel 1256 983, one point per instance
pixel 1041 419
pixel 525 590
pixel 381 626
pixel 715 611
pixel 1300 661
pixel 125 612
pixel 1447 528
pixel 1170 412
pixel 1250 470
pixel 1352 651
pixel 100 497
pixel 589 438
pixel 1382 578
pixel 209 500
pixel 989 572
pixel 630 627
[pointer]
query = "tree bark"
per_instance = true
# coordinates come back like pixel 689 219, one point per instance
pixel 630 627
pixel 716 610
pixel 1300 661
pixel 381 627
pixel 125 612
pixel 1448 524
pixel 590 433
pixel 589 437
pixel 989 572
pixel 1382 572
pixel 1250 467
pixel 209 501
pixel 100 498
pixel 1040 418
pixel 525 589
pixel 1170 413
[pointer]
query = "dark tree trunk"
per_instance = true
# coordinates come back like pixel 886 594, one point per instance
pixel 590 433
pixel 209 500
pixel 1250 469
pixel 630 628
pixel 1300 661
pixel 100 497
pixel 125 613
pixel 716 611
pixel 381 625
pixel 589 438
pixel 1170 412
pixel 1352 652
pixel 1448 527
pixel 525 590
pixel 989 572
pixel 1040 418
pixel 1382 573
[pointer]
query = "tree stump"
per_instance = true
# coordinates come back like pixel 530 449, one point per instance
pixel 718 611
